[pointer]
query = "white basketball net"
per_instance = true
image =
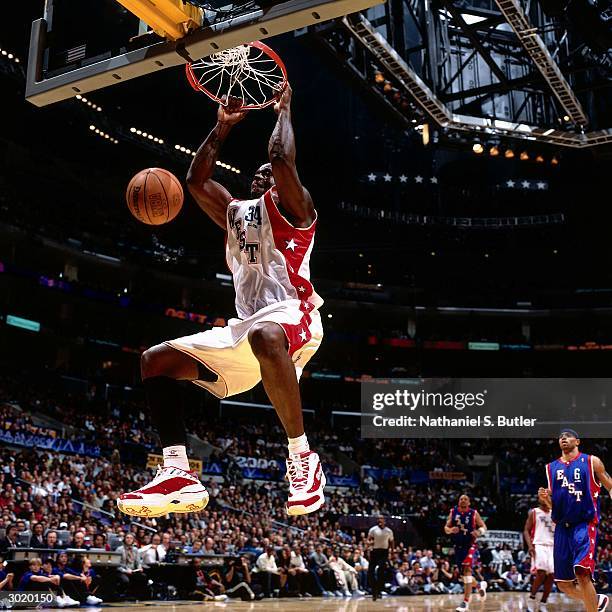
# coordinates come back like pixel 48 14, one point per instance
pixel 244 72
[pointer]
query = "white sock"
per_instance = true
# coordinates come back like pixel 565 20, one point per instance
pixel 298 445
pixel 176 456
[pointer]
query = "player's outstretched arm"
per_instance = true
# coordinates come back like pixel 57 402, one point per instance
pixel 210 196
pixel 602 475
pixel 281 150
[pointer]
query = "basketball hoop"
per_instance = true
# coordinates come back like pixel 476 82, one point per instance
pixel 252 72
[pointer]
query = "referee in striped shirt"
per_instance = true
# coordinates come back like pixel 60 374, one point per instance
pixel 380 538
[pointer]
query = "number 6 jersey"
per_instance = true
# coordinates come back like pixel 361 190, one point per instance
pixel 575 490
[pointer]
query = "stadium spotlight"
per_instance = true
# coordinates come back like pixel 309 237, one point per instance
pixel 387 87
pixel 509 154
pixel 524 156
pixel 554 161
pixel 379 77
pixel 494 151
pixel 478 148
pixel 539 159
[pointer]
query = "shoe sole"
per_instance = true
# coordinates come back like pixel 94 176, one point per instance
pixel 300 510
pixel 172 507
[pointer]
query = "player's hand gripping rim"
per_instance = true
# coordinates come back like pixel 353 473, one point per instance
pixel 231 110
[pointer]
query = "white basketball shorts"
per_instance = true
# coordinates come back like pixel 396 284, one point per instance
pixel 226 350
pixel 543 558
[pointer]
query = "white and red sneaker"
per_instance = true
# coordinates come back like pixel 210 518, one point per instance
pixel 306 483
pixel 172 490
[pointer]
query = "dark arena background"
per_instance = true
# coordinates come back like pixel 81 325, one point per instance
pixel 459 155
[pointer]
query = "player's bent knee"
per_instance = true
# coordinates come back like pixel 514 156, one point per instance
pixel 147 362
pixel 163 360
pixel 267 340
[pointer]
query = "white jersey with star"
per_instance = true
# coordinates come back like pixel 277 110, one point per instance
pixel 268 257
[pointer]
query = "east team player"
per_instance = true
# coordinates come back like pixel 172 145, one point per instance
pixel 539 532
pixel 574 485
pixel 268 244
pixel 465 526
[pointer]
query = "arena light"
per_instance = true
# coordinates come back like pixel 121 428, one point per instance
pixel 146 135
pixel 192 153
pixel 494 151
pixel 524 156
pixel 478 148
pixel 9 55
pixel 379 77
pixel 509 154
pixel 539 159
pixel 103 134
pixel 554 161
pixel 87 102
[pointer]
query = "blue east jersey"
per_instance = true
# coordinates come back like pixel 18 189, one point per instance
pixel 575 511
pixel 575 490
pixel 466 521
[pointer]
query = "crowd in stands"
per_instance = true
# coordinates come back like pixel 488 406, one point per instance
pixel 54 502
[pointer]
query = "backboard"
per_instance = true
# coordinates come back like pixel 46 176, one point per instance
pixel 80 46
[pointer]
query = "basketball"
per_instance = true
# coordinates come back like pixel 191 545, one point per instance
pixel 154 196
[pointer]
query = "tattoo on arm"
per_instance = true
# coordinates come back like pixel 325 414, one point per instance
pixel 203 164
pixel 210 196
pixel 282 141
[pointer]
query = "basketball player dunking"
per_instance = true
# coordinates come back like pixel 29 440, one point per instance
pixel 574 484
pixel 465 525
pixel 278 329
pixel 539 534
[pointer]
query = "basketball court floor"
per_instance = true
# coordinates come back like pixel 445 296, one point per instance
pixel 495 602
